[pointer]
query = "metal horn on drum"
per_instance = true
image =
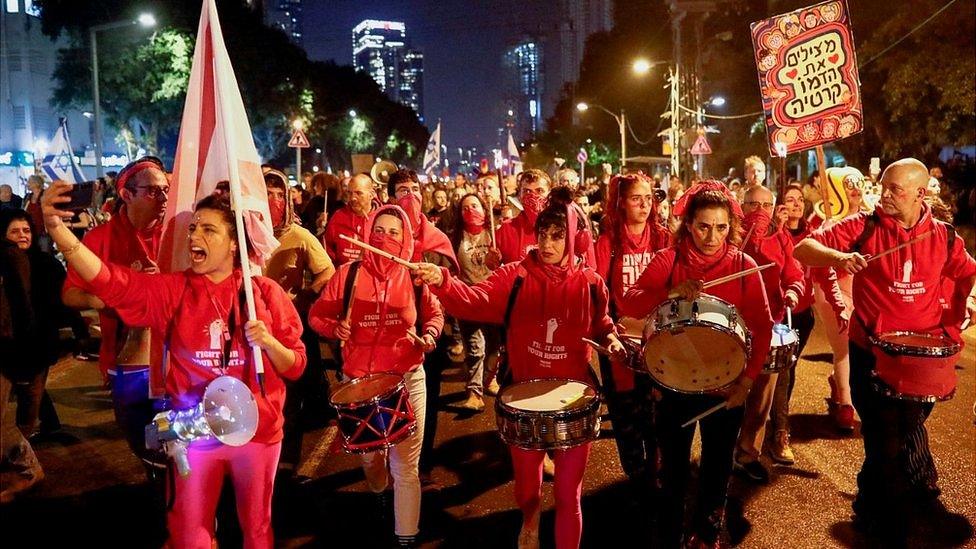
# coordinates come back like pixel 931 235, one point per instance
pixel 227 412
pixel 382 170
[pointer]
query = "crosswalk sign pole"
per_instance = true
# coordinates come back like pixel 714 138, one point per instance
pixel 298 167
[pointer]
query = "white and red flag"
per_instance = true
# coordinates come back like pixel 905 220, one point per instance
pixel 215 145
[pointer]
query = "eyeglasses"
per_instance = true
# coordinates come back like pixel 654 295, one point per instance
pixel 153 191
pixel 757 204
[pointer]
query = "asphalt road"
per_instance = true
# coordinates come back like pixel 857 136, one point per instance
pixel 95 490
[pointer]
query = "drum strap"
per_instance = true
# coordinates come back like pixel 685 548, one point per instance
pixel 504 374
pixel 870 222
pixel 347 288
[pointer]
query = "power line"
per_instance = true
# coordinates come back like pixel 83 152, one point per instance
pixel 900 40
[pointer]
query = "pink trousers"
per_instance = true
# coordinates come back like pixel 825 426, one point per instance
pixel 568 487
pixel 252 470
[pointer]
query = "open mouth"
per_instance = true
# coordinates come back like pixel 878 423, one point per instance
pixel 197 254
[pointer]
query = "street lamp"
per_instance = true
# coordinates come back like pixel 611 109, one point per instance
pixel 352 113
pixel 145 20
pixel 717 101
pixel 621 123
pixel 642 66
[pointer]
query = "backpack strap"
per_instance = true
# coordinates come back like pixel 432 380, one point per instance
pixel 347 288
pixel 950 237
pixel 418 295
pixel 870 223
pixel 512 296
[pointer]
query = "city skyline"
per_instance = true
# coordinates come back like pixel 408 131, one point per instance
pixel 381 49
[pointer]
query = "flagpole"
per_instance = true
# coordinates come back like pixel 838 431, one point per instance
pixel 234 177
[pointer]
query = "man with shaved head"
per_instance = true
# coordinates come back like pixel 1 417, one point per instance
pixel 350 220
pixel 898 292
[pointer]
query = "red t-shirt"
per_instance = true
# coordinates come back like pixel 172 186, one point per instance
pixel 785 275
pixel 902 290
pixel 194 311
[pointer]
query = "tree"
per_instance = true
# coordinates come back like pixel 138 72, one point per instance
pixel 143 80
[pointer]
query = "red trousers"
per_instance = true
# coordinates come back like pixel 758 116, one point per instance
pixel 252 470
pixel 568 487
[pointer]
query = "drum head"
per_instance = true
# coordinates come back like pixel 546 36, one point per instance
pixel 547 395
pixel 365 388
pixel 783 335
pixel 694 359
pixel 916 344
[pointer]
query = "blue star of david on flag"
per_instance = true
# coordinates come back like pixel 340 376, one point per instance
pixel 59 163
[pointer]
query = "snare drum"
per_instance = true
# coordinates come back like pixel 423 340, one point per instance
pixel 546 414
pixel 696 347
pixel 915 365
pixel 782 349
pixel 374 412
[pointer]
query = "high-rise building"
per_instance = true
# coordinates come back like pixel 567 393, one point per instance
pixel 411 85
pixel 578 19
pixel 524 85
pixel 286 16
pixel 380 49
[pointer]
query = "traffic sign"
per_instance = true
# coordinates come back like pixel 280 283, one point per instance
pixel 299 140
pixel 582 157
pixel 701 146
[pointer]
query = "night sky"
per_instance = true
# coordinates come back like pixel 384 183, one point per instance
pixel 462 43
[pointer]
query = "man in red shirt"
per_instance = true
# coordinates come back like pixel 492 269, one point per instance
pixel 899 291
pixel 130 239
pixel 515 237
pixel 350 221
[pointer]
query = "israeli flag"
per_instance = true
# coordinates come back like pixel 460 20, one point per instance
pixel 59 163
pixel 513 153
pixel 432 156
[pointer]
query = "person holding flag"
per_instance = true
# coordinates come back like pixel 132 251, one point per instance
pixel 432 156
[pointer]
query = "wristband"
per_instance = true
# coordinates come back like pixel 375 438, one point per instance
pixel 70 250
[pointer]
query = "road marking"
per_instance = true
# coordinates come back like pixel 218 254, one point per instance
pixel 327 444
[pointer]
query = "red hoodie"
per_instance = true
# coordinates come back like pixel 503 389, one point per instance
pixel 382 311
pixel 192 310
pixel 776 248
pixel 118 242
pixel 902 290
pixel 553 310
pixel 680 262
pixel 517 236
pixel 628 264
pixel 344 222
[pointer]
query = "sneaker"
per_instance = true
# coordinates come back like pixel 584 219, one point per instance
pixel 475 402
pixel 492 388
pixel 548 468
pixel 780 450
pixel 528 539
pixel 753 469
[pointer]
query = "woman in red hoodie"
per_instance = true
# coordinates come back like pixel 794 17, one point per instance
pixel 202 312
pixel 560 301
pixel 630 238
pixel 382 309
pixel 704 250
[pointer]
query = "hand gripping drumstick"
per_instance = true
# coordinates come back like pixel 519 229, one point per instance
pixel 898 247
pixel 379 252
pixel 728 278
pixel 705 414
pixel 599 348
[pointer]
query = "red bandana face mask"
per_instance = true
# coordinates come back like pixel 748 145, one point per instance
pixel 411 205
pixel 474 221
pixel 533 204
pixel 385 243
pixel 760 221
pixel 277 208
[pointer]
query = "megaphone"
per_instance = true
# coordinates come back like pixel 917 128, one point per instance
pixel 227 412
pixel 382 170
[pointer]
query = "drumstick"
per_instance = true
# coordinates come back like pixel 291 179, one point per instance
pixel 965 324
pixel 900 246
pixel 705 414
pixel 597 346
pixel 789 318
pixel 728 278
pixel 379 252
pixel 416 338
pixel 745 239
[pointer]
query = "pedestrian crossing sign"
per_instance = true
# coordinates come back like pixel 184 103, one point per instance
pixel 701 146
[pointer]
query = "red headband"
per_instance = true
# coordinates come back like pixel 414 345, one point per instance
pixel 710 185
pixel 131 170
